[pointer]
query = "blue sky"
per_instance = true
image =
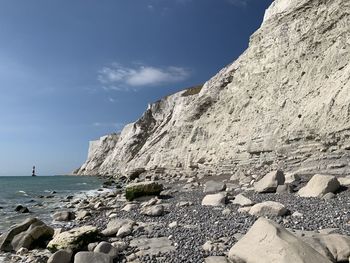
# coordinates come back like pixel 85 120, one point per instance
pixel 74 70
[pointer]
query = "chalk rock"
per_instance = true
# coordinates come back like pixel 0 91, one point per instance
pixel 92 257
pixel 269 182
pixel 319 185
pixel 335 247
pixel 154 210
pixel 152 246
pixel 61 256
pixel 63 216
pixel 214 200
pixel 115 224
pixel 73 239
pixel 272 243
pixel 29 234
pixel 107 248
pixel 268 208
pixel 214 187
pixel 344 181
pixel 241 200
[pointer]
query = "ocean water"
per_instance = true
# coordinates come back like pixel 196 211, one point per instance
pixel 32 192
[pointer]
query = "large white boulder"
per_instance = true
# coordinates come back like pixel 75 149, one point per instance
pixel 152 246
pixel 291 177
pixel 320 185
pixel 29 234
pixel 214 186
pixel 334 246
pixel 73 239
pixel 61 256
pixel 268 242
pixel 268 208
pixel 269 182
pixel 106 248
pixel 344 181
pixel 154 210
pixel 92 257
pixel 114 225
pixel 241 200
pixel 214 200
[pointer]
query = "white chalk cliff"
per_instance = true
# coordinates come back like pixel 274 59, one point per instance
pixel 285 102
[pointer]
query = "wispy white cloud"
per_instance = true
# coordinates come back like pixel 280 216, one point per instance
pixel 118 77
pixel 112 100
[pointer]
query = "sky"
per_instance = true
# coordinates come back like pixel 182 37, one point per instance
pixel 74 70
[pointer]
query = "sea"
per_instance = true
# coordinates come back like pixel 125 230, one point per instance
pixel 42 195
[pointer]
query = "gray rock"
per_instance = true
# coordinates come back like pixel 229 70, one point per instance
pixel 107 248
pixel 210 246
pixel 114 225
pixel 152 246
pixel 61 256
pixel 214 187
pixel 125 230
pixel 135 190
pixel 270 182
pixel 21 209
pixel 130 207
pixel 22 251
pixel 241 200
pixel 214 200
pixel 82 214
pixel 63 216
pixel 272 243
pixel 344 181
pixel 91 246
pixel 268 208
pixel 184 204
pixel 29 234
pixel 291 178
pixel 285 188
pixel 297 214
pixel 328 196
pixel 74 239
pixel 226 212
pixel 320 185
pixel 333 246
pixel 92 257
pixel 155 210
pixel 173 224
pixel 120 245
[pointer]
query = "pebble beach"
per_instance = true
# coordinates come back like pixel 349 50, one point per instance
pixel 176 226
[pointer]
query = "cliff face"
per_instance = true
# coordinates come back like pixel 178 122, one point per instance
pixel 285 102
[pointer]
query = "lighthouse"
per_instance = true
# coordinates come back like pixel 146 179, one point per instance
pixel 33 171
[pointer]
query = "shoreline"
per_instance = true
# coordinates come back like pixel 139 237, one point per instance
pixel 41 202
